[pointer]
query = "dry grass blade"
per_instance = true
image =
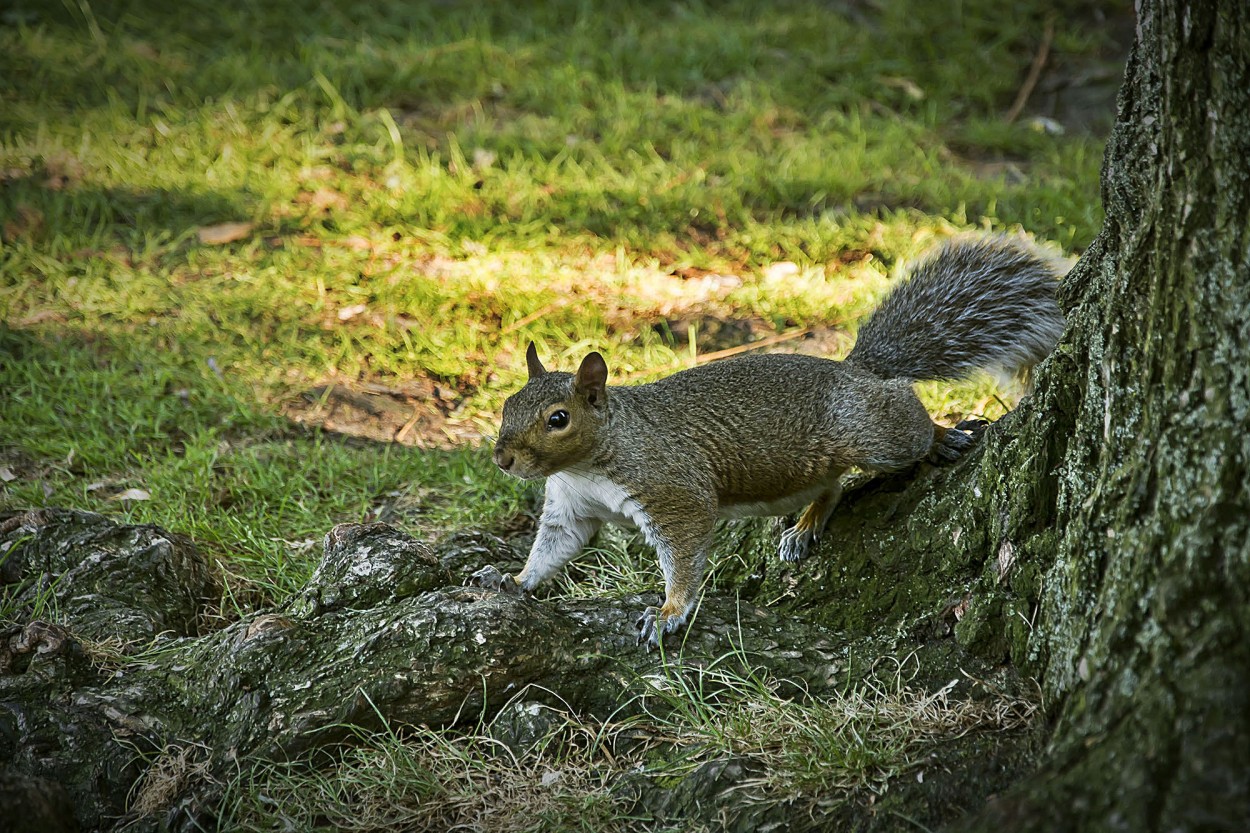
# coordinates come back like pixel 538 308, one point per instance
pixel 1035 73
pixel 178 767
pixel 222 233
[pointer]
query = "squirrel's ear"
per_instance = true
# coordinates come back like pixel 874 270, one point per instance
pixel 531 360
pixel 592 379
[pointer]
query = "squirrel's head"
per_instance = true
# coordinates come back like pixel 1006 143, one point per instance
pixel 552 422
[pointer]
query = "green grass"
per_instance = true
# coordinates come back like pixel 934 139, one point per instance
pixel 817 757
pixel 455 170
pixel 436 780
pixel 94 423
pixel 430 186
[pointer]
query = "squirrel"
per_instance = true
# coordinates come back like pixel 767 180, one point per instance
pixel 766 434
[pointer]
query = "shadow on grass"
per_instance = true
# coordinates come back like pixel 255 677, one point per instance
pixel 619 121
pixel 46 211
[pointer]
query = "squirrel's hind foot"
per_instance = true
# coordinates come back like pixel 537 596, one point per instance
pixel 489 578
pixel 796 543
pixel 953 443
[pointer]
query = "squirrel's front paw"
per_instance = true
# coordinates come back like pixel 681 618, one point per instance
pixel 653 624
pixel 490 578
pixel 650 628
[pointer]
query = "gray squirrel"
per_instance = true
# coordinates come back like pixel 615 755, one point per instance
pixel 766 434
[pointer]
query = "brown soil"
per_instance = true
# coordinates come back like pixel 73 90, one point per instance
pixel 413 413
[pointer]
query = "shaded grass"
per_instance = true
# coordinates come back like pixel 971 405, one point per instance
pixel 430 186
pixel 432 780
pixel 851 744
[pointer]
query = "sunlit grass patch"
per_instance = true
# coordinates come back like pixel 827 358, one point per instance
pixel 104 427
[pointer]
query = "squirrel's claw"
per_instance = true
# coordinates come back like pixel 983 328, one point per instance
pixel 650 628
pixel 796 543
pixel 490 578
pixel 956 441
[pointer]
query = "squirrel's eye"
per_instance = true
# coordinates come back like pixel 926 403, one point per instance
pixel 559 419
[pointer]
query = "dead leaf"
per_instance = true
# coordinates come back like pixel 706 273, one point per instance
pixel 961 608
pixel 483 158
pixel 1050 127
pixel 1006 559
pixel 7 475
pixel 132 494
pixel 351 312
pixel 909 87
pixel 223 233
pixel 39 317
pixel 324 199
pixel 63 169
pixel 144 50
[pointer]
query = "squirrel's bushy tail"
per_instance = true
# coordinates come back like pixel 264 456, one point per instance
pixel 985 303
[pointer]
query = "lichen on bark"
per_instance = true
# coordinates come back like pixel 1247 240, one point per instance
pixel 1110 514
pixel 1142 626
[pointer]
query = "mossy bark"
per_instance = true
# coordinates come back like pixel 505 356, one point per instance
pixel 1144 615
pixel 1100 537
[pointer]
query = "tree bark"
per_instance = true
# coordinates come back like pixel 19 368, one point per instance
pixel 1143 625
pixel 1100 536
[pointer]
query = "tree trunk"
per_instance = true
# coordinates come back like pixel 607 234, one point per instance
pixel 1100 536
pixel 1143 626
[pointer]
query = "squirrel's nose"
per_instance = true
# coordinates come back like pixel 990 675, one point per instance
pixel 504 459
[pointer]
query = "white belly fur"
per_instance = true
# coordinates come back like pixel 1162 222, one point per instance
pixel 588 496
